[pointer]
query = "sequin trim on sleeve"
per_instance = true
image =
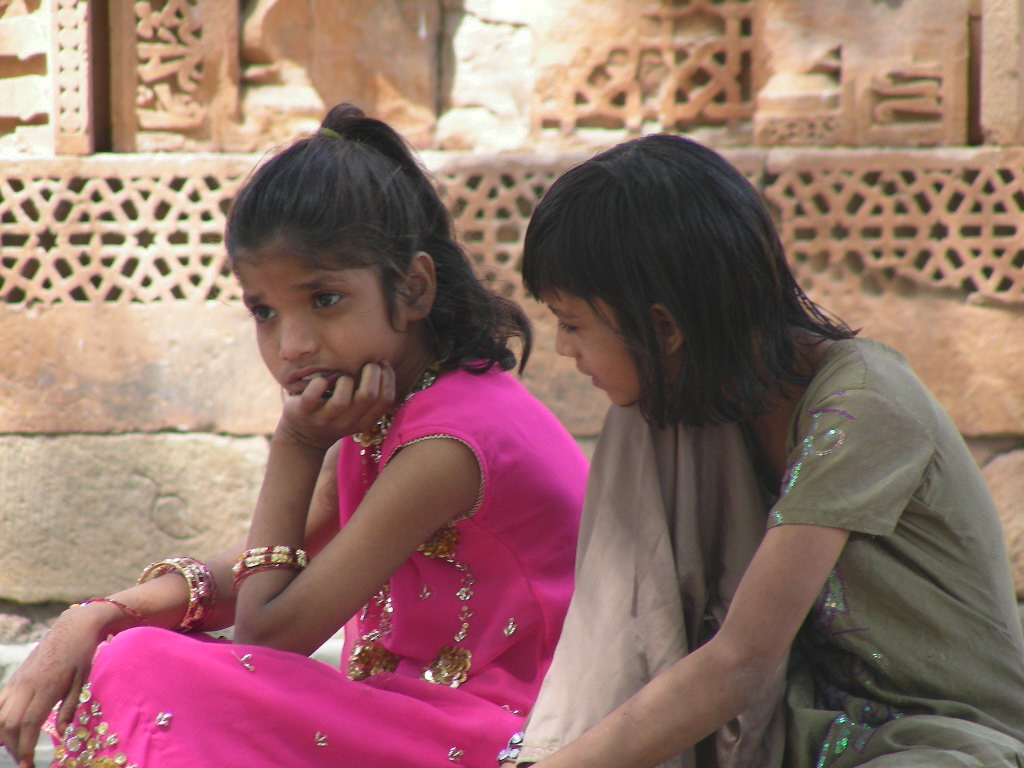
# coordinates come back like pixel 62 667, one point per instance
pixel 819 441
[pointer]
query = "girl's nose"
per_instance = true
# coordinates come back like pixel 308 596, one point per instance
pixel 296 341
pixel 563 346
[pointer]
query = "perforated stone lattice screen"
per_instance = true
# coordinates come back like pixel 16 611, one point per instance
pixel 878 221
pixel 144 230
pixel 116 230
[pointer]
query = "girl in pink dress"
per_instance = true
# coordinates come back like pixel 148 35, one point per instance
pixel 415 493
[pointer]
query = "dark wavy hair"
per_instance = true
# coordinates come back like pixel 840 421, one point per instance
pixel 665 220
pixel 352 195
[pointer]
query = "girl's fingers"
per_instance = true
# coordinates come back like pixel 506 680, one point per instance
pixel 66 712
pixel 344 386
pixel 316 418
pixel 376 392
pixel 388 389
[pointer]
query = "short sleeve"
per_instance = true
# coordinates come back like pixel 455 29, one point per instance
pixel 858 460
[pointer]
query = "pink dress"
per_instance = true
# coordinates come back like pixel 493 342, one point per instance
pixel 440 667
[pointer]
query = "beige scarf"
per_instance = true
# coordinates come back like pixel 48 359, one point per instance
pixel 671 519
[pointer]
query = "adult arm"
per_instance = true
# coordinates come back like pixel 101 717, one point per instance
pixel 703 690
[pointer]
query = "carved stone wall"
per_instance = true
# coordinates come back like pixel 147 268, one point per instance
pixel 877 77
pixel 126 127
pixel 174 74
pixel 859 225
pixel 201 75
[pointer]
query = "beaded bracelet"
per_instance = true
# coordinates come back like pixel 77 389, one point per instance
pixel 110 601
pixel 202 589
pixel 264 558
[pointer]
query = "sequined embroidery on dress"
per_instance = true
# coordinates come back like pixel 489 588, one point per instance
pixel 819 441
pixel 369 657
pixel 451 665
pixel 370 441
pixel 88 735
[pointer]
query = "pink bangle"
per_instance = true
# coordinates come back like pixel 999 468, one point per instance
pixel 130 611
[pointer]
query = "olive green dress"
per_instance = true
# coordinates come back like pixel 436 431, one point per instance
pixel 912 656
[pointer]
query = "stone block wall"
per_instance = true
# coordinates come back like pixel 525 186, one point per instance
pixel 133 405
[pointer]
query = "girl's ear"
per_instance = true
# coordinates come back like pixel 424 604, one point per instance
pixel 417 290
pixel 670 338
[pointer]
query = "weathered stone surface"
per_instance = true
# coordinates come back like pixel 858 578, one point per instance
pixel 970 357
pixel 82 515
pixel 24 87
pixel 88 367
pixel 984 449
pixel 487 83
pixel 873 76
pixel 1002 69
pixel 303 56
pixel 110 227
pixel 1005 478
pixel 74 76
pixel 110 368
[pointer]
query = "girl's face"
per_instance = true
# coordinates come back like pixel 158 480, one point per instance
pixel 314 322
pixel 589 338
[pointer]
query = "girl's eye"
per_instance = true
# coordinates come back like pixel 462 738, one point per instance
pixel 261 313
pixel 326 299
pixel 565 327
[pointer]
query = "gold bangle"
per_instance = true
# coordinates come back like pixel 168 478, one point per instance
pixel 202 589
pixel 264 558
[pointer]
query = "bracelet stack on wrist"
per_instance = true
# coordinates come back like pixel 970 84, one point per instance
pixel 202 589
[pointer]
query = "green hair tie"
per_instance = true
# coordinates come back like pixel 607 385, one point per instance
pixel 329 133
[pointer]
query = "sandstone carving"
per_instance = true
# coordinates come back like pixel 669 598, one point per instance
pixel 871 75
pixel 174 73
pixel 857 120
pixel 664 66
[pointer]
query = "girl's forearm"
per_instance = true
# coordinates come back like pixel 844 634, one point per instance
pixel 687 702
pixel 279 520
pixel 283 504
pixel 163 601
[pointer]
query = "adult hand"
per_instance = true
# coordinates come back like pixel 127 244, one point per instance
pixel 54 672
pixel 318 418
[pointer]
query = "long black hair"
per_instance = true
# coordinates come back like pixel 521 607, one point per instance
pixel 665 220
pixel 352 195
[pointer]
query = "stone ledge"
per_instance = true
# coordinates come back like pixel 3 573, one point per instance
pixel 83 515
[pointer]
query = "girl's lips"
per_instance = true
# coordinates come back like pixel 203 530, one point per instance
pixel 298 385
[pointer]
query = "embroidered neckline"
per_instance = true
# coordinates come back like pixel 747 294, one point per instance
pixel 370 441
